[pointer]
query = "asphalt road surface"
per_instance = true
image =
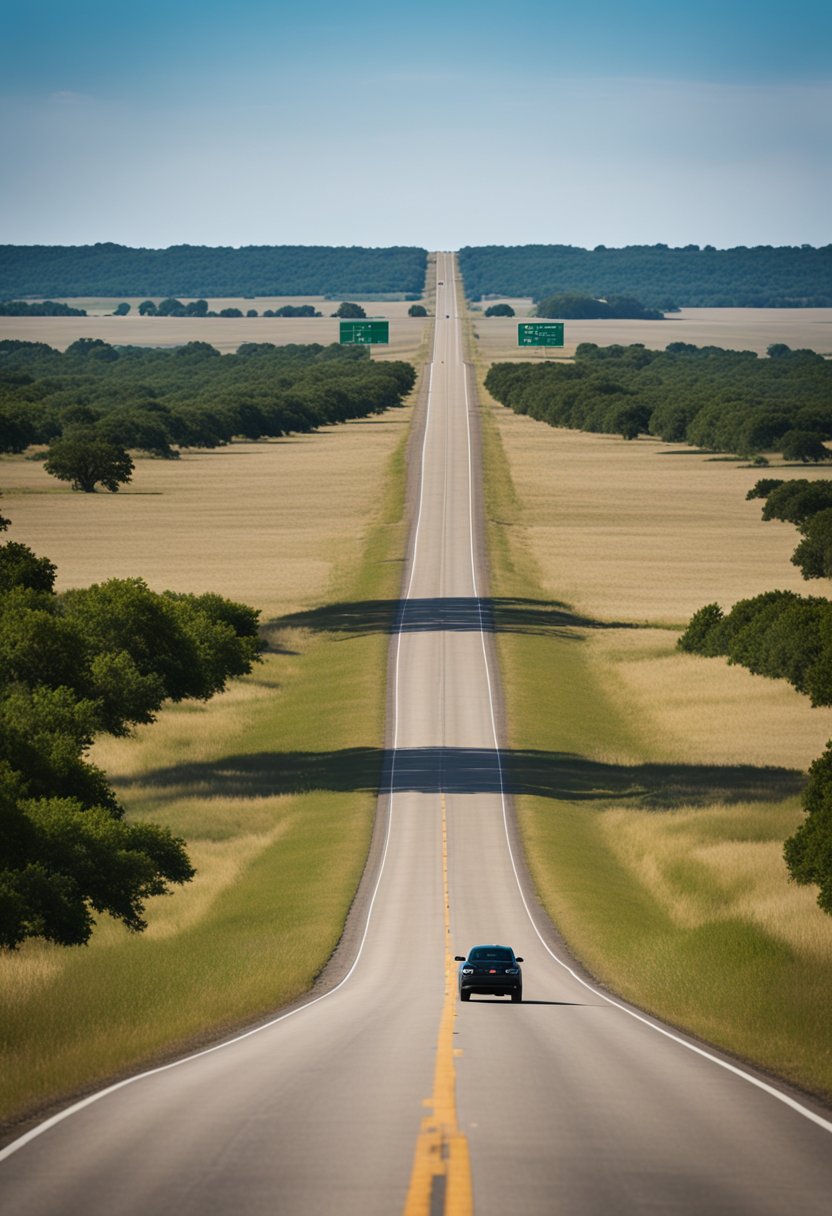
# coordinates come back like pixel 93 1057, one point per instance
pixel 387 1095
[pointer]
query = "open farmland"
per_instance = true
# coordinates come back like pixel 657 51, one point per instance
pixel 224 333
pixel 732 328
pixel 284 525
pixel 673 780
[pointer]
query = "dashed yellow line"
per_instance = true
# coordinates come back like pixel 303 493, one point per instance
pixel 441 1177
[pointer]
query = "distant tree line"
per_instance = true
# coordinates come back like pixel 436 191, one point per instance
pixel 92 661
pixel 171 307
pixel 198 270
pixel 39 308
pixel 720 400
pixel 160 401
pixel 763 276
pixel 788 636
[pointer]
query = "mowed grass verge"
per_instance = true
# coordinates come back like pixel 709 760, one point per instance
pixel 656 850
pixel 262 783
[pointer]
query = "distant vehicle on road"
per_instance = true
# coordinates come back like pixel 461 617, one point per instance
pixel 490 971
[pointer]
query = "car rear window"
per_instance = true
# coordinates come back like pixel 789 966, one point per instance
pixel 500 954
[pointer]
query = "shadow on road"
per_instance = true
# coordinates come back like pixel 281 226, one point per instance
pixel 450 613
pixel 461 770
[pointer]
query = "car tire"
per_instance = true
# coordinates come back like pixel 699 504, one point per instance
pixel 465 996
pixel 516 996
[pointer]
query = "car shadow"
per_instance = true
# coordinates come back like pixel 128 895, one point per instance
pixel 475 1000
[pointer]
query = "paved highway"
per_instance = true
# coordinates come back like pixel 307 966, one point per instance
pixel 385 1094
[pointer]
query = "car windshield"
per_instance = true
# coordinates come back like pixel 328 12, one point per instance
pixel 482 954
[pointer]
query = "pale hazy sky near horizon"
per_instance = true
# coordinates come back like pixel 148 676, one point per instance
pixel 434 124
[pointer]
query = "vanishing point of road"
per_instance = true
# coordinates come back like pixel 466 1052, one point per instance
pixel 385 1095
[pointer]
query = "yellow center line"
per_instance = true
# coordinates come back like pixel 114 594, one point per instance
pixel 440 1180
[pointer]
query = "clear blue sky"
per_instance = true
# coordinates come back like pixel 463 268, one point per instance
pixel 438 124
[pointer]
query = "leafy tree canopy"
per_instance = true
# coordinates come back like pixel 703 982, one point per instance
pixel 808 852
pixel 72 666
pixel 796 501
pixel 86 460
pixel 805 446
pixel 578 307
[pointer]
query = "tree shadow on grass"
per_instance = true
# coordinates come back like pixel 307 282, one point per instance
pixel 457 614
pixel 464 770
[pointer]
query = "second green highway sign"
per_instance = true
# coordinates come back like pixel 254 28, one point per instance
pixel 540 333
pixel 365 333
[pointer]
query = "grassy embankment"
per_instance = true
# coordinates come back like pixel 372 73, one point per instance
pixel 277 812
pixel 665 783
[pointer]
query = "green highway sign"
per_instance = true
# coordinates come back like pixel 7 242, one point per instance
pixel 539 333
pixel 365 333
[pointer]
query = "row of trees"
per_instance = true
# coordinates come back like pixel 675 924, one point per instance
pixel 573 307
pixel 197 270
pixel 73 666
pixel 763 276
pixel 160 401
pixel 787 636
pixel 171 307
pixel 40 308
pixel 720 400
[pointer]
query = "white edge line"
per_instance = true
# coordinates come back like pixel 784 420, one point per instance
pixel 76 1107
pixel 668 1034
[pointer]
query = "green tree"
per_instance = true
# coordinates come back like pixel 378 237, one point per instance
pixel 121 310
pixel 813 556
pixel 796 501
pixel 629 420
pixel 808 852
pixel 63 861
pixel 170 307
pixel 147 309
pixel 806 446
pixel 499 310
pixel 763 487
pixel 92 660
pixel 417 310
pixel 84 459
pixel 347 309
pixel 20 567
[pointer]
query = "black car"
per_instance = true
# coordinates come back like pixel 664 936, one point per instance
pixel 490 971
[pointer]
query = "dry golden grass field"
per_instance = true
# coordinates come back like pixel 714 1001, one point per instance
pixel 733 328
pixel 225 333
pixel 265 522
pixel 674 890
